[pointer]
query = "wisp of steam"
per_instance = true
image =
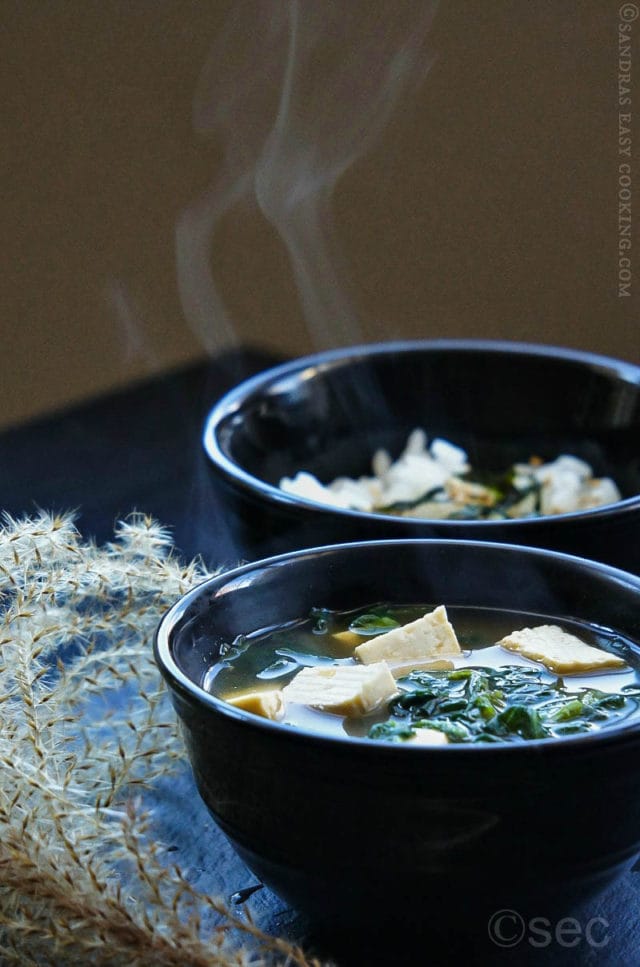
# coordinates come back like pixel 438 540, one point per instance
pixel 295 92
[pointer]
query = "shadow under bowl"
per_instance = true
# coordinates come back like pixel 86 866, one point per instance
pixel 502 402
pixel 374 840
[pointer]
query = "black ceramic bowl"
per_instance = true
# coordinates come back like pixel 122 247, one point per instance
pixel 379 840
pixel 502 402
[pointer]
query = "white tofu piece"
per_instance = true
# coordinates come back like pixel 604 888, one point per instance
pixel 306 485
pixel 431 636
pixel 269 703
pixel 380 463
pixel 346 639
pixel 343 689
pixel 355 493
pixel 564 464
pixel 432 510
pixel 401 668
pixel 560 494
pixel 559 651
pixel 428 737
pixel 597 492
pixel 466 492
pixel 562 483
pixel 418 469
pixel 416 442
pixel 411 476
pixel 450 456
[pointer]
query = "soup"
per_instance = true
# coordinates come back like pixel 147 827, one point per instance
pixel 435 481
pixel 427 675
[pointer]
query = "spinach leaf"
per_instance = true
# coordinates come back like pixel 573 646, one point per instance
pixel 507 704
pixel 401 505
pixel 373 623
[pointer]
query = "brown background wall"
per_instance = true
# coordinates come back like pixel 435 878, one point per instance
pixel 487 208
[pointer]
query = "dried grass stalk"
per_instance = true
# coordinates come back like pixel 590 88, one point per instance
pixel 82 878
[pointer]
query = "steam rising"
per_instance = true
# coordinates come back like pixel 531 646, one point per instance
pixel 296 92
pixel 128 317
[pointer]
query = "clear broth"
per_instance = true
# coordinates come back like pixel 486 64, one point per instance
pixel 271 657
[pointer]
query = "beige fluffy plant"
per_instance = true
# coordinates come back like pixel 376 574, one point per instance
pixel 85 726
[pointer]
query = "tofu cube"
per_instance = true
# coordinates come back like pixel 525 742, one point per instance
pixel 431 636
pixel 347 639
pixel 560 651
pixel 401 668
pixel 269 703
pixel 428 737
pixel 343 689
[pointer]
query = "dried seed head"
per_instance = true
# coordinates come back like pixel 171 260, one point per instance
pixel 84 722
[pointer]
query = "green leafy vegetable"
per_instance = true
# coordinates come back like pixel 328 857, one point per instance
pixel 401 505
pixel 501 499
pixel 373 623
pixel 507 704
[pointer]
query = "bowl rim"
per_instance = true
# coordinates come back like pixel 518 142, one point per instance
pixel 181 683
pixel 232 401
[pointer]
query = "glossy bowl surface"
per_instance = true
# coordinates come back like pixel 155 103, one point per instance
pixel 368 837
pixel 501 401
